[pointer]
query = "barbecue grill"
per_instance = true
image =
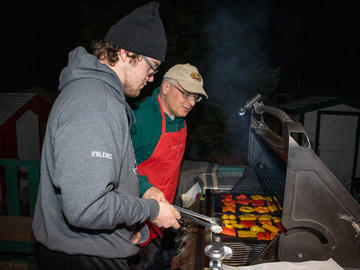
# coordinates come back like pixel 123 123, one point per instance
pixel 321 217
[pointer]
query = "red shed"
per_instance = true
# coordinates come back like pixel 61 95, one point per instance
pixel 23 118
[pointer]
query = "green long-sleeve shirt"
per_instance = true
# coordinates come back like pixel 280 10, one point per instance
pixel 146 132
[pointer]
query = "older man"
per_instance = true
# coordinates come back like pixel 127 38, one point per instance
pixel 159 137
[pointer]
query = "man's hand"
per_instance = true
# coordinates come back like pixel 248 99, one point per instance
pixel 155 193
pixel 136 237
pixel 167 216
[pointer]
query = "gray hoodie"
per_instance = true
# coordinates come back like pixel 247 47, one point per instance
pixel 88 198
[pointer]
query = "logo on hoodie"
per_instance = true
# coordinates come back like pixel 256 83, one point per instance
pixel 99 154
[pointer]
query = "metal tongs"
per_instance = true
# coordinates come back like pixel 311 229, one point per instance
pixel 212 223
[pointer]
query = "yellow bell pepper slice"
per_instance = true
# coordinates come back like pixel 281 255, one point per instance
pixel 265 217
pixel 272 208
pixel 245 234
pixel 238 226
pixel 248 217
pixel 256 229
pixel 257 197
pixel 276 219
pixel 246 209
pixel 271 228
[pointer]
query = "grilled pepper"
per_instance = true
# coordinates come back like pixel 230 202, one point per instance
pixel 258 203
pixel 228 231
pixel 272 208
pixel 271 199
pixel 276 219
pixel 257 197
pixel 241 197
pixel 246 234
pixel 271 228
pixel 273 235
pixel 228 200
pixel 280 226
pixel 238 226
pixel 247 223
pixel 261 209
pixel 265 217
pixel 248 217
pixel 263 235
pixel 256 229
pixel 227 222
pixel 228 208
pixel 265 222
pixel 229 205
pixel 244 201
pixel 266 235
pixel 246 209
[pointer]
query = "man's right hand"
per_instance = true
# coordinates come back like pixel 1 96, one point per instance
pixel 156 194
pixel 167 216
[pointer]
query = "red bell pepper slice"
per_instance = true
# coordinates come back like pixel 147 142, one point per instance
pixel 228 231
pixel 226 196
pixel 263 235
pixel 247 223
pixel 241 197
pixel 228 200
pixel 280 226
pixel 258 203
pixel 244 201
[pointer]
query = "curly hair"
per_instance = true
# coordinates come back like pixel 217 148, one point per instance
pixel 109 52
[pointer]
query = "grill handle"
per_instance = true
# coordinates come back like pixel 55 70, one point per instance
pixel 217 252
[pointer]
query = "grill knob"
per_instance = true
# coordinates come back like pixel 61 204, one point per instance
pixel 217 252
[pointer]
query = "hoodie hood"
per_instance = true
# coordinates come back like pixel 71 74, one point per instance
pixel 83 65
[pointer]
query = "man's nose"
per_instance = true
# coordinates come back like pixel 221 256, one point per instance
pixel 192 101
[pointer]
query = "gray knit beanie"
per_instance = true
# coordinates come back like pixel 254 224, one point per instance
pixel 141 32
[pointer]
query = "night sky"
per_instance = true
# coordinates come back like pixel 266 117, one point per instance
pixel 314 44
pixel 301 48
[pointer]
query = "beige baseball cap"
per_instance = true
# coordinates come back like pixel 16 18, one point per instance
pixel 188 77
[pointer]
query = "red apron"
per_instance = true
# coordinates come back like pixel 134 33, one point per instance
pixel 162 168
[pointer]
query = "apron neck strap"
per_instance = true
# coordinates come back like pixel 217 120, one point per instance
pixel 163 127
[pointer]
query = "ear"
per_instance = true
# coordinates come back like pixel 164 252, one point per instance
pixel 122 54
pixel 165 87
pixel 125 56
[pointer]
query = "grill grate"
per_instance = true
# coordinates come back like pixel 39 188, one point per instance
pixel 243 253
pixel 272 184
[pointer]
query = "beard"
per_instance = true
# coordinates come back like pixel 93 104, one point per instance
pixel 129 89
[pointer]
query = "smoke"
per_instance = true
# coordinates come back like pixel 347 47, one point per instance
pixel 237 63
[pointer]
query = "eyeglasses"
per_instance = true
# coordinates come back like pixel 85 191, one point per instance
pixel 155 70
pixel 187 95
